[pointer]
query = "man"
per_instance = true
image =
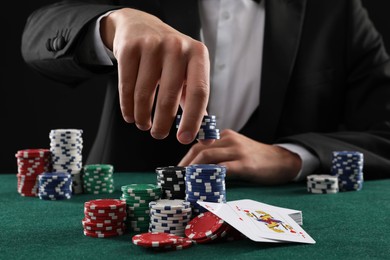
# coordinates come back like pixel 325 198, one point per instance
pixel 315 79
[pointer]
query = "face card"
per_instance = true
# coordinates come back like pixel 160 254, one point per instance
pixel 269 222
pixel 226 213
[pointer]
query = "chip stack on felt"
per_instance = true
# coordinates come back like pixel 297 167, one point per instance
pixel 322 184
pixel 66 146
pixel 137 198
pixel 104 218
pixel 348 167
pixel 55 186
pixel 208 128
pixel 169 216
pixel 31 163
pixel 98 178
pixel 205 182
pixel 171 180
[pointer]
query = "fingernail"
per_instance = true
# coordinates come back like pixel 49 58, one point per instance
pixel 186 137
pixel 159 136
pixel 143 127
pixel 129 119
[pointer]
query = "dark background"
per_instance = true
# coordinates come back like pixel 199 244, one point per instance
pixel 30 105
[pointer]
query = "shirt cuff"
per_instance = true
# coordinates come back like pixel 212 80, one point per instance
pixel 310 162
pixel 93 50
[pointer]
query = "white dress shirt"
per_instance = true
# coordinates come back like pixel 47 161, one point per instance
pixel 233 31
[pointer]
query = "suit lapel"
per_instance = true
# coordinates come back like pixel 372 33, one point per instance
pixel 283 26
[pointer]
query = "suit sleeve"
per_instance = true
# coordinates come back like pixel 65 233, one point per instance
pixel 366 126
pixel 67 19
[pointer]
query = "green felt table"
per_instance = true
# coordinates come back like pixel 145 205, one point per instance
pixel 347 225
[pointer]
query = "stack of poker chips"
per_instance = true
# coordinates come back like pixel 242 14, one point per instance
pixel 205 182
pixel 161 241
pixel 31 163
pixel 104 218
pixel 55 186
pixel 66 146
pixel 171 180
pixel 208 227
pixel 322 184
pixel 208 128
pixel 98 178
pixel 137 198
pixel 348 167
pixel 169 216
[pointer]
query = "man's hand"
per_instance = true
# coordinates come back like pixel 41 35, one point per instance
pixel 246 159
pixel 149 54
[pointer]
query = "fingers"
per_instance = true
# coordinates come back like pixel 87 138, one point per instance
pixel 145 89
pixel 128 63
pixel 170 90
pixel 206 154
pixel 196 93
pixel 149 52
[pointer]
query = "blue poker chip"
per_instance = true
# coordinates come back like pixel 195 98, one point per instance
pixel 199 193
pixel 208 128
pixel 207 137
pixel 205 168
pixel 56 175
pixel 204 198
pixel 206 183
pixel 54 193
pixel 205 188
pixel 203 178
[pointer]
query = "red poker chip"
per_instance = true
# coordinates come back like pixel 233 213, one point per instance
pixel 155 239
pixel 218 236
pixel 102 235
pixel 103 212
pixel 101 222
pixel 120 228
pixel 28 153
pixel 104 216
pixel 104 204
pixel 26 177
pixel 100 219
pixel 28 194
pixel 204 226
pixel 182 243
pixel 107 227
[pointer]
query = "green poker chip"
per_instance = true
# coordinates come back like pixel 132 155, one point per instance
pixel 141 188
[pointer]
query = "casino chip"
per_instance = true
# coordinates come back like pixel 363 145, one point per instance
pixel 31 163
pixel 98 178
pixel 348 167
pixel 137 198
pixel 208 227
pixel 66 146
pixel 169 216
pixel 205 182
pixel 104 218
pixel 161 241
pixel 322 184
pixel 208 128
pixel 55 186
pixel 171 180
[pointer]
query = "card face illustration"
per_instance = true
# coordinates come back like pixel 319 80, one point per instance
pixel 260 222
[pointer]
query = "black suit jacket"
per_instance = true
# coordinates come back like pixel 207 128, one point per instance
pixel 325 80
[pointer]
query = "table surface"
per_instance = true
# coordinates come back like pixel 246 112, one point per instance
pixel 346 225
